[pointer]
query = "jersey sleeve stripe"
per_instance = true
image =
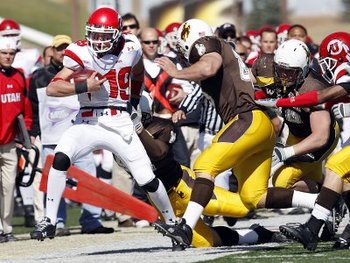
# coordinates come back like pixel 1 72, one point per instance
pixel 73 56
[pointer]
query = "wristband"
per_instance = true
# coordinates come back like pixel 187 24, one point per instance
pixel 81 87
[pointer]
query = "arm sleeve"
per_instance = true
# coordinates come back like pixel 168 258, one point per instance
pixel 191 101
pixel 307 99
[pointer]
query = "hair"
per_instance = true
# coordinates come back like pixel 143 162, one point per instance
pixel 268 30
pixel 297 25
pixel 243 38
pixel 129 16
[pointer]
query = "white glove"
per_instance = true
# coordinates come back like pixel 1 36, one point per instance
pixel 269 103
pixel 136 118
pixel 280 154
pixel 341 110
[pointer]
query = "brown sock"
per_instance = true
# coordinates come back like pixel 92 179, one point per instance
pixel 278 197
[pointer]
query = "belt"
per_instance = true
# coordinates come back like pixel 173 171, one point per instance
pixel 104 110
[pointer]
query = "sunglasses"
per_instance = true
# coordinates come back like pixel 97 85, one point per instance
pixel 147 42
pixel 133 26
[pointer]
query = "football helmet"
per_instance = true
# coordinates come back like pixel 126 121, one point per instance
pixel 10 28
pixel 291 63
pixel 189 32
pixel 103 29
pixel 170 34
pixel 282 33
pixel 334 51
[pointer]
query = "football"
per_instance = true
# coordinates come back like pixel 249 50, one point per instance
pixel 172 91
pixel 81 75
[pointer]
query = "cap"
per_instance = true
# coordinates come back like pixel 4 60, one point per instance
pixel 227 30
pixel 60 40
pixel 8 43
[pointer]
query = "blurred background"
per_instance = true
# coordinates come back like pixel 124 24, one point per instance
pixel 40 19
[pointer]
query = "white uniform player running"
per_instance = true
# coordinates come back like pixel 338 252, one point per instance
pixel 103 121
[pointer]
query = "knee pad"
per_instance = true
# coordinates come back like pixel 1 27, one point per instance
pixel 152 186
pixel 61 162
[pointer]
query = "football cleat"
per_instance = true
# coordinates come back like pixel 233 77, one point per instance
pixel 180 233
pixel 44 229
pixel 343 242
pixel 302 234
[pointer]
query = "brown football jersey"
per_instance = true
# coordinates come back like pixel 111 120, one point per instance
pixel 231 89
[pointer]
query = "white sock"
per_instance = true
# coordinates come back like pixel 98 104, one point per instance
pixel 320 212
pixel 192 213
pixel 302 199
pixel 55 187
pixel 247 236
pixel 161 200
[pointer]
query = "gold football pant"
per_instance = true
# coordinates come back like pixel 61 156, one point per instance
pixel 340 163
pixel 223 203
pixel 244 144
pixel 289 174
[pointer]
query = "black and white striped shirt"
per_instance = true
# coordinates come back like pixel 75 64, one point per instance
pixel 210 121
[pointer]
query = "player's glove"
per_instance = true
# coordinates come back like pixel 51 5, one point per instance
pixel 269 103
pixel 136 118
pixel 341 110
pixel 281 153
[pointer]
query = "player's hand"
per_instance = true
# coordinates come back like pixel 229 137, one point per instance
pixel 136 118
pixel 269 103
pixel 281 153
pixel 167 65
pixel 341 110
pixel 93 83
pixel 178 115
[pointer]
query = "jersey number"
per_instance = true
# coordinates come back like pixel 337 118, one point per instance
pixel 119 85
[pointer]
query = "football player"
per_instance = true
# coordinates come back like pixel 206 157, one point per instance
pixel 244 144
pixel 103 121
pixel 157 135
pixel 334 62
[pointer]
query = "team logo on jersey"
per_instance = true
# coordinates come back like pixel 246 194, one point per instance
pixel 172 137
pixel 185 32
pixel 336 46
pixel 200 49
pixel 9 86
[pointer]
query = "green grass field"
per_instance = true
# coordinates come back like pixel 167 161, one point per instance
pixel 293 252
pixel 73 215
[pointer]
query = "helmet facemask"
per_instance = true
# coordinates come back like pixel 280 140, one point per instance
pixel 288 77
pixel 101 39
pixel 328 65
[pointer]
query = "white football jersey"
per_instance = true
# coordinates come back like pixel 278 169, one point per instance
pixel 116 69
pixel 27 60
pixel 342 73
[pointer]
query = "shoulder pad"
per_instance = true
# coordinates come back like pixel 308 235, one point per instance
pixel 202 46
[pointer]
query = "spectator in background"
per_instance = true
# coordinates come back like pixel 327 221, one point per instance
pixel 13 102
pixel 47 55
pixel 130 24
pixel 245 41
pixel 50 130
pixel 298 32
pixel 241 50
pixel 227 32
pixel 27 60
pixel 268 45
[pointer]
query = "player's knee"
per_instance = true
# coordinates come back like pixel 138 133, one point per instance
pixel 61 161
pixel 152 186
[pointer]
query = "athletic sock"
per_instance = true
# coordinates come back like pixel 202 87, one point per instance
pixel 55 187
pixel 192 213
pixel 302 199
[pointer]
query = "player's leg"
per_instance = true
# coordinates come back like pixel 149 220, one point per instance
pixel 337 170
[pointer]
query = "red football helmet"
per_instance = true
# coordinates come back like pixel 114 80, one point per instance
pixel 334 51
pixel 10 28
pixel 282 33
pixel 170 34
pixel 103 29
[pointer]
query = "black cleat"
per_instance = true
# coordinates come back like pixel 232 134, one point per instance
pixel 180 233
pixel 44 229
pixel 302 234
pixel 343 242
